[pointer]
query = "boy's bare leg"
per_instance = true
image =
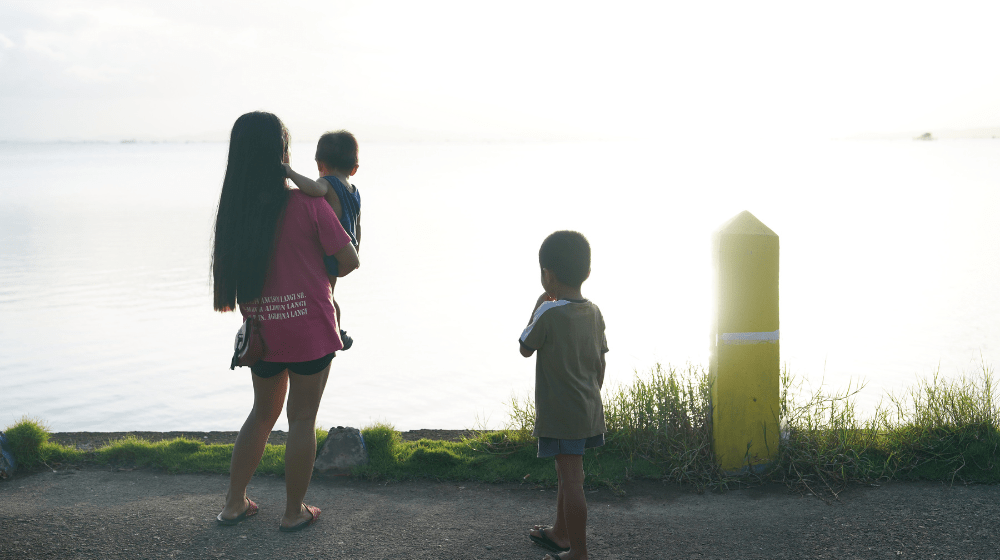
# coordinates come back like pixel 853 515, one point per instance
pixel 304 395
pixel 558 532
pixel 336 308
pixel 573 506
pixel 560 528
pixel 333 288
pixel 269 397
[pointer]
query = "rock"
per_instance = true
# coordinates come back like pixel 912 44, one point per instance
pixel 344 449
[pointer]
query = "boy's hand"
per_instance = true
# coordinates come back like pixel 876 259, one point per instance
pixel 541 299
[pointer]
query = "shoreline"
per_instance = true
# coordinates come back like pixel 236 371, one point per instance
pixel 88 441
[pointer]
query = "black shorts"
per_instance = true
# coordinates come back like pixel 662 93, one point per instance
pixel 264 369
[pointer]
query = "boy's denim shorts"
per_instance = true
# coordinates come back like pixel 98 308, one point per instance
pixel 550 447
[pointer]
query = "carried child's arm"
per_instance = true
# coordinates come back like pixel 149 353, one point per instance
pixel 318 188
pixel 305 184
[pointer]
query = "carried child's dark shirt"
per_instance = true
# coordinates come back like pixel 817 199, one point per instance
pixel 350 205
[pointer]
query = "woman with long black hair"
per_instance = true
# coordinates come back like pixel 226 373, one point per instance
pixel 268 259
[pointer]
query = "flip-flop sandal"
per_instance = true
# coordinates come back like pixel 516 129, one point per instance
pixel 249 512
pixel 313 510
pixel 545 541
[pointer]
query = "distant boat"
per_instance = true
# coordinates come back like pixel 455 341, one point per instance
pixel 924 136
pixel 132 141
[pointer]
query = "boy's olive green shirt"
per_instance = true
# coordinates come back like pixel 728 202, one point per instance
pixel 569 338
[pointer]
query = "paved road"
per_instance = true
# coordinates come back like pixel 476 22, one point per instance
pixel 94 513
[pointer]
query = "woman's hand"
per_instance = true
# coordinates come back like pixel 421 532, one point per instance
pixel 347 260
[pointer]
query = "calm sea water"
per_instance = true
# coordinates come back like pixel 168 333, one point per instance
pixel 890 259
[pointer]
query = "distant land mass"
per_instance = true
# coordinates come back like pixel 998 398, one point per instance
pixel 382 133
pixel 943 134
pixel 370 132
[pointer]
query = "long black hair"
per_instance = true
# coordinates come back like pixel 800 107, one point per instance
pixel 254 195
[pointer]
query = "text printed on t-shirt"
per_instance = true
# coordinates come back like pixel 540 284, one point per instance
pixel 276 308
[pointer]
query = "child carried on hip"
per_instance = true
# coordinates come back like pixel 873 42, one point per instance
pixel 337 162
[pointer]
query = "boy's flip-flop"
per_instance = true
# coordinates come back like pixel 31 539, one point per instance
pixel 313 510
pixel 545 541
pixel 249 512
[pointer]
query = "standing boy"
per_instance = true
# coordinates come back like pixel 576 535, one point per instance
pixel 337 162
pixel 567 330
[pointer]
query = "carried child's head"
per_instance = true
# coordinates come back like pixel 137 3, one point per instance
pixel 566 257
pixel 337 151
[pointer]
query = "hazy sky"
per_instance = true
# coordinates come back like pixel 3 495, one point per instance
pixel 106 69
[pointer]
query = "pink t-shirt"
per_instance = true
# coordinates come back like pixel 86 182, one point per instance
pixel 295 307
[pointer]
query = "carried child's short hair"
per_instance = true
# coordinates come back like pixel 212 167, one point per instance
pixel 567 255
pixel 337 150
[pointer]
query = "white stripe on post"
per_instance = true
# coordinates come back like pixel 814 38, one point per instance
pixel 748 337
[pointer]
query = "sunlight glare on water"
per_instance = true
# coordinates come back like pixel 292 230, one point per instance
pixel 888 271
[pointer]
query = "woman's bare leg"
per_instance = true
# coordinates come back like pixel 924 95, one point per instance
pixel 268 398
pixel 304 395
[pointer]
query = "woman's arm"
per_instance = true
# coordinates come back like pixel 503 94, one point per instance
pixel 347 260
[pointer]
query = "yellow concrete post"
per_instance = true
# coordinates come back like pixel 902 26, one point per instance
pixel 744 359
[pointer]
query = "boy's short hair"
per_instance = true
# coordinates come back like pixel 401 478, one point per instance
pixel 567 255
pixel 338 150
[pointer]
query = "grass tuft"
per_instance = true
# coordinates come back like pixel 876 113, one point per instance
pixel 664 417
pixel 938 430
pixel 26 438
